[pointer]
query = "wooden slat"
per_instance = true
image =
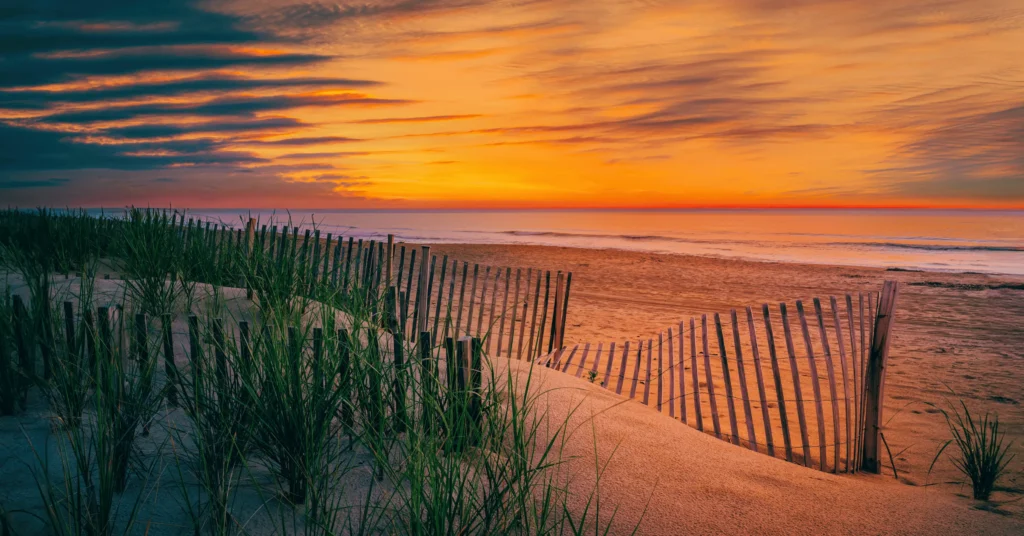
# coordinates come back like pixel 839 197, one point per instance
pixel 726 377
pixel 742 377
pixel 440 301
pixel 401 269
pixel 564 309
pixel 636 370
pixel 797 391
pixel 462 299
pixel 661 345
pixel 709 377
pixel 533 321
pixel 860 388
pixel 765 418
pixel 780 394
pixel 413 337
pixel 515 309
pixel 504 307
pixel 647 379
pixel 846 392
pixel 815 386
pixel 583 360
pixel 450 306
pixel 526 305
pixel 856 377
pixel 564 363
pixel 608 368
pixel 681 372
pixel 472 300
pixel 874 375
pixel 830 367
pixel 544 312
pixel 408 288
pixel 490 315
pixel 693 373
pixel 672 379
pixel 423 291
pixel 622 369
pixel 556 313
pixel 348 264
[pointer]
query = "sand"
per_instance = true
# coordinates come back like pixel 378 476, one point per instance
pixel 955 330
pixel 963 332
pixel 680 481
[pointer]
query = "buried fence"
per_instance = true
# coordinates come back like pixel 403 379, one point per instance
pixel 817 403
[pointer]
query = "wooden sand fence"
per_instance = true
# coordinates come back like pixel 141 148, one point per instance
pixel 515 311
pixel 801 383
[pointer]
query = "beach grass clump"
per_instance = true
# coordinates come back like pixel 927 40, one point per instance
pixel 219 409
pixel 981 453
pixel 95 455
pixel 125 391
pixel 68 389
pixel 151 256
pixel 294 387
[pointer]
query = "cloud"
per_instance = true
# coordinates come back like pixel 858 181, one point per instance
pixel 427 119
pixel 194 85
pixel 31 184
pixel 295 142
pixel 24 149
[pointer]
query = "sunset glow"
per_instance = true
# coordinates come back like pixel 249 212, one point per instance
pixel 465 103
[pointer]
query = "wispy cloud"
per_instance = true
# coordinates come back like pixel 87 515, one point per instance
pixel 617 103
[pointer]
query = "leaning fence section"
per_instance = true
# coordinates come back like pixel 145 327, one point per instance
pixel 802 383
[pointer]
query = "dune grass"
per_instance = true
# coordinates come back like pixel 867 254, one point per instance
pixel 981 453
pixel 361 430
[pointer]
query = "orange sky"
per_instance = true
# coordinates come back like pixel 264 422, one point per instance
pixel 463 103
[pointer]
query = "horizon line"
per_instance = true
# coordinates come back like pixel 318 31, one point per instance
pixel 561 209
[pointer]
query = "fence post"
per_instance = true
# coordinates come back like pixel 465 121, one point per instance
pixel 422 299
pixel 429 378
pixel 24 353
pixel 250 234
pixel 169 368
pixel 556 316
pixel 874 378
pixel 398 387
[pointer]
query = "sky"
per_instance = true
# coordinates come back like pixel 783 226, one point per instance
pixel 512 103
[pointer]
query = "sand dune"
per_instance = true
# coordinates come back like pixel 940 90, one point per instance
pixel 690 482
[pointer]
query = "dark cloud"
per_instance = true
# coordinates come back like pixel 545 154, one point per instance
pixel 24 149
pixel 268 125
pixel 425 119
pixel 224 106
pixel 205 84
pixel 31 183
pixel 32 70
pixel 307 15
pixel 197 113
pixel 312 140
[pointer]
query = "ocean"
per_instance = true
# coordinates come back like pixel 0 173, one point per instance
pixel 943 240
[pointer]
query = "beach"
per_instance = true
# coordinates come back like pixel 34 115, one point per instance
pixel 953 331
pixel 958 332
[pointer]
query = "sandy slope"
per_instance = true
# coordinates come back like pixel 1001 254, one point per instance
pixel 697 484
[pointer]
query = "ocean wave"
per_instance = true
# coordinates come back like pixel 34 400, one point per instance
pixel 772 243
pixel 931 247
